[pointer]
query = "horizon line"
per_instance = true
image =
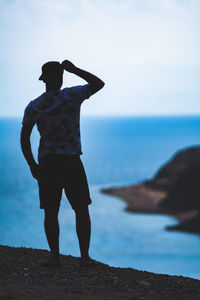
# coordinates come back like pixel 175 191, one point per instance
pixel 117 116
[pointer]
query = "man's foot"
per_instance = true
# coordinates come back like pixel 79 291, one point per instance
pixel 88 263
pixel 52 261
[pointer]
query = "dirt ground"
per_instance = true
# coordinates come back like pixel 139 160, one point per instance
pixel 23 278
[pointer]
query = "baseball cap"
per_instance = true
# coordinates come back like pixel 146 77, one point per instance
pixel 51 70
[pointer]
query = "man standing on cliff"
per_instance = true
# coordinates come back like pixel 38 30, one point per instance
pixel 56 113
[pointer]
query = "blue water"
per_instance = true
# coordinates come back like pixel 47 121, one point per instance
pixel 117 151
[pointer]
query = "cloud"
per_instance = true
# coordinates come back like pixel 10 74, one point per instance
pixel 135 44
pixel 51 27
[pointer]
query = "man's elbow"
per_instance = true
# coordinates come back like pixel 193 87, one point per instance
pixel 25 133
pixel 100 85
pixel 24 138
pixel 94 88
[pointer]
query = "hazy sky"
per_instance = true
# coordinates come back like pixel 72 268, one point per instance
pixel 146 51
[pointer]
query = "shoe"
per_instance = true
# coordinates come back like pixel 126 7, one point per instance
pixel 88 263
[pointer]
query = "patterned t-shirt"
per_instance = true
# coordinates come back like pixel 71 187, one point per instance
pixel 57 115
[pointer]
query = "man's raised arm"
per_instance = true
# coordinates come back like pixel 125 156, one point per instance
pixel 95 83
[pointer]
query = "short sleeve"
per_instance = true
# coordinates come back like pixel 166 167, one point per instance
pixel 28 115
pixel 80 92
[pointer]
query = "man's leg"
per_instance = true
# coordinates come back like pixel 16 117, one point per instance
pixel 51 226
pixel 77 192
pixel 83 229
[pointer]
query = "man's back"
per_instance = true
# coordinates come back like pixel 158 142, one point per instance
pixel 57 115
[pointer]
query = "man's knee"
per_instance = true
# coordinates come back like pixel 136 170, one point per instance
pixel 51 212
pixel 82 211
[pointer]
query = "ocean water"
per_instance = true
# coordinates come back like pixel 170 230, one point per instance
pixel 117 151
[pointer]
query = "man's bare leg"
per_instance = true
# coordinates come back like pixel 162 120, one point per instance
pixel 83 230
pixel 51 226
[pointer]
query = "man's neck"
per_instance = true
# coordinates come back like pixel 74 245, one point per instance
pixel 50 86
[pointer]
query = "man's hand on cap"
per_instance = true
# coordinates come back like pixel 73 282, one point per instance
pixel 68 66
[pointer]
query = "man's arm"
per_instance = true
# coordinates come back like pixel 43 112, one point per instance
pixel 26 149
pixel 95 83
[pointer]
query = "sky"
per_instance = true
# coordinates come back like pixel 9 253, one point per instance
pixel 146 52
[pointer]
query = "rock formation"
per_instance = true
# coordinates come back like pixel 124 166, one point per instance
pixel 175 190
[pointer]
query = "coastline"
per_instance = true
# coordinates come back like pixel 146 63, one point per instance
pixel 174 191
pixel 143 199
pixel 22 277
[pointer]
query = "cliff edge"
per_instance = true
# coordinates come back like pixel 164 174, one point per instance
pixel 23 278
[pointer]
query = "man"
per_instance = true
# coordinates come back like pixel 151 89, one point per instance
pixel 56 113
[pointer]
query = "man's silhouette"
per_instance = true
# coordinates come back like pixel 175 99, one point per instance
pixel 56 113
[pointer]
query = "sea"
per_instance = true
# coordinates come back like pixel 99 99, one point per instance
pixel 117 151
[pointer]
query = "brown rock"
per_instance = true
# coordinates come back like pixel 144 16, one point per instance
pixel 174 190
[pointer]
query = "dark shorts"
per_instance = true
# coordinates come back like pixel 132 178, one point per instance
pixel 58 172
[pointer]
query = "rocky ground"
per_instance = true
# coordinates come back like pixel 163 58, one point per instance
pixel 23 278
